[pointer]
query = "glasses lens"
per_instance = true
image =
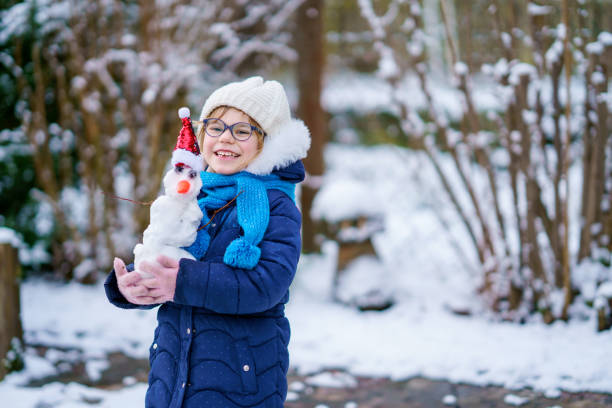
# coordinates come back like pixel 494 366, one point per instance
pixel 214 127
pixel 242 131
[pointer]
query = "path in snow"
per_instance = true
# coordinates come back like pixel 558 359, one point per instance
pixel 328 389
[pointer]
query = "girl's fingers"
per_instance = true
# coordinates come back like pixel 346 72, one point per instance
pixel 137 291
pixel 150 283
pixel 157 293
pixel 144 300
pixel 130 278
pixel 120 269
pixel 167 262
pixel 151 268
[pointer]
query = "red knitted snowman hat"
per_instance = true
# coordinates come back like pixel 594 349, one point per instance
pixel 187 152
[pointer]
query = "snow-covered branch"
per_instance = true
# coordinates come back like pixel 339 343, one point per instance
pixel 535 111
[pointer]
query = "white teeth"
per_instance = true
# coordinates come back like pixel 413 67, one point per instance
pixel 226 154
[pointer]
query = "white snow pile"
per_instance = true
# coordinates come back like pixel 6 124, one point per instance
pixel 365 282
pixel 11 237
pixel 333 379
pixel 27 255
pixel 350 200
pixel 341 199
pixel 515 400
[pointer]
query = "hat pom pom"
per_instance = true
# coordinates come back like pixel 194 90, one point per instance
pixel 242 254
pixel 184 112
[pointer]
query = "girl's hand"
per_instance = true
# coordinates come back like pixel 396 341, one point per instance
pixel 130 286
pixel 163 284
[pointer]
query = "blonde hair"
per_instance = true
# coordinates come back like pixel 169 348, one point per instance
pixel 218 112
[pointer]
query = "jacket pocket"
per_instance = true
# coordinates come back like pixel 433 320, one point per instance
pixel 246 366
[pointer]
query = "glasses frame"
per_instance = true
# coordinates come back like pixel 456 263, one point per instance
pixel 231 128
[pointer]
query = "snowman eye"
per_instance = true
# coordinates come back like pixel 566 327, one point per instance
pixel 192 174
pixel 178 169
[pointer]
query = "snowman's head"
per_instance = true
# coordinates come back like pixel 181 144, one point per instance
pixel 183 182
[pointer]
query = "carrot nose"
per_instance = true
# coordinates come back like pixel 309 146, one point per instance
pixel 183 186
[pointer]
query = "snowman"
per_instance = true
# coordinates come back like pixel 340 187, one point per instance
pixel 175 216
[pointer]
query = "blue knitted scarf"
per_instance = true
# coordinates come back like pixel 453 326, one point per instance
pixel 253 211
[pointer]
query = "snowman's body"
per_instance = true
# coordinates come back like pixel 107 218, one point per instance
pixel 174 221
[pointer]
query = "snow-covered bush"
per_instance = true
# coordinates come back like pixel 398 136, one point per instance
pixel 98 86
pixel 17 206
pixel 552 117
pixel 13 361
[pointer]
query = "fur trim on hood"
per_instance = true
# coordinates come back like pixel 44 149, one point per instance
pixel 288 144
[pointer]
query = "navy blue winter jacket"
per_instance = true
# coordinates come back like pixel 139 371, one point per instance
pixel 223 341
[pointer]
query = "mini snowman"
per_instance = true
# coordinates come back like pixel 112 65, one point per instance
pixel 175 216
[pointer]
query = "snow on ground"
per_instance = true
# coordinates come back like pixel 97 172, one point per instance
pixel 416 339
pixel 419 336
pixel 66 316
pixel 71 395
pixel 77 319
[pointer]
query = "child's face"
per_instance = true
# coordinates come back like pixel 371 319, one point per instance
pixel 226 155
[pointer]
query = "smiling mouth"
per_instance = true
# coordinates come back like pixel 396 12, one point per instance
pixel 226 154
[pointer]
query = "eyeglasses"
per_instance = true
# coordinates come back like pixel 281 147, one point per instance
pixel 240 131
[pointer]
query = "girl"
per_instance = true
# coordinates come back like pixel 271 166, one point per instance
pixel 222 336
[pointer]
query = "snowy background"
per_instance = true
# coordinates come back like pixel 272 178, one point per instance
pixel 93 111
pixel 419 336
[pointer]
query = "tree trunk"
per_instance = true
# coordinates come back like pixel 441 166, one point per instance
pixel 465 33
pixel 309 45
pixel 565 259
pixel 10 320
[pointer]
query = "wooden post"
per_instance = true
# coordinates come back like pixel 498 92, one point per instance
pixel 10 316
pixel 310 47
pixel 355 243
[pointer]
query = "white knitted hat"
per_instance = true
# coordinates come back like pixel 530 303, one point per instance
pixel 287 140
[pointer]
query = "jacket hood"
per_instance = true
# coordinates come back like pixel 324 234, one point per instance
pixel 294 172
